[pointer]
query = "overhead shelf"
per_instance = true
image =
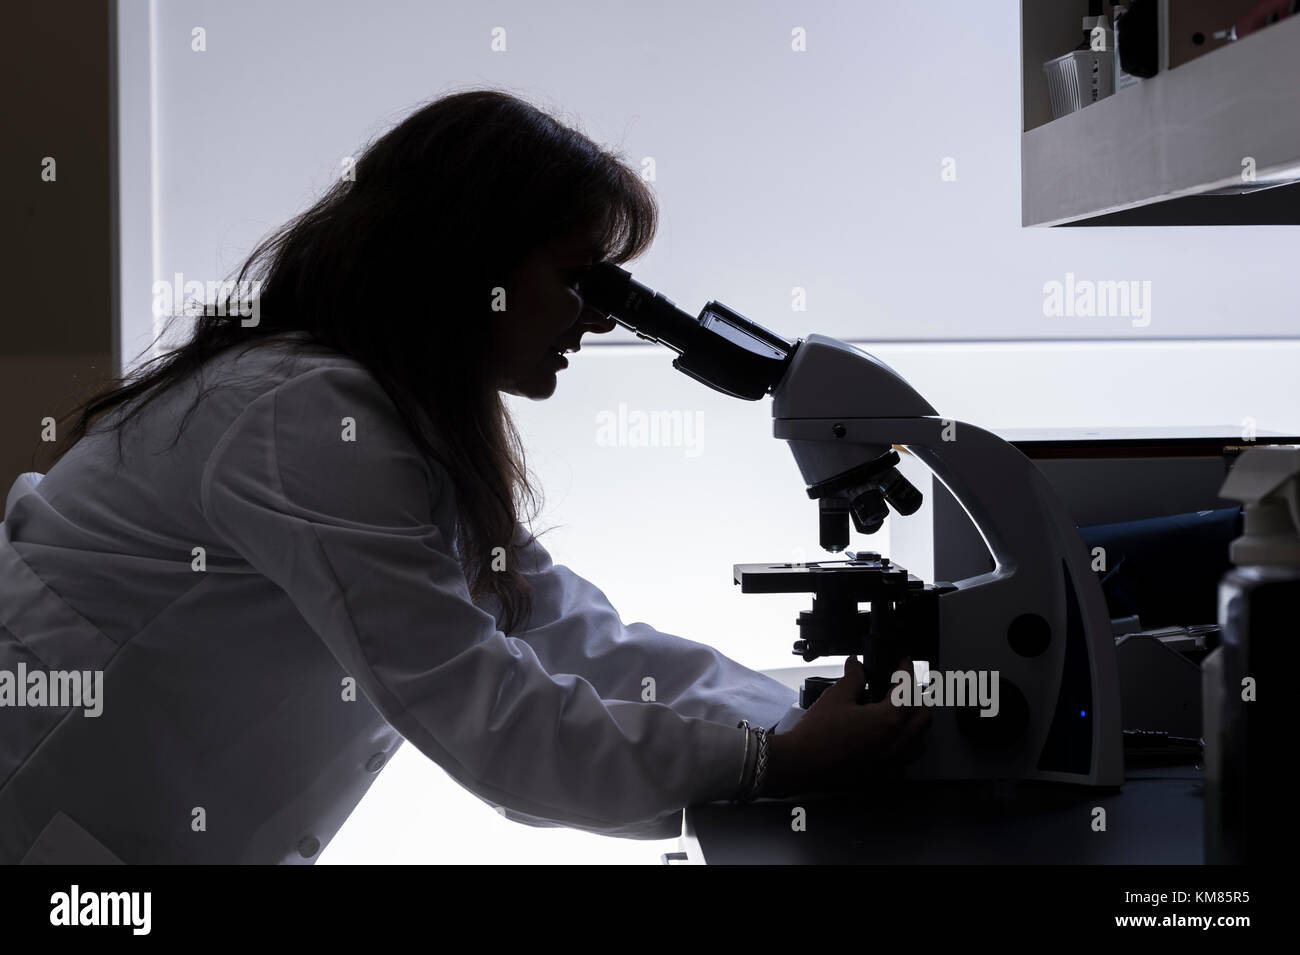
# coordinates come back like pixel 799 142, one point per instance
pixel 1170 150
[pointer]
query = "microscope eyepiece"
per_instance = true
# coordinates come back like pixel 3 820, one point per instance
pixel 721 348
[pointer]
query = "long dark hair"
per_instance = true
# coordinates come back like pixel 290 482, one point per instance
pixel 394 267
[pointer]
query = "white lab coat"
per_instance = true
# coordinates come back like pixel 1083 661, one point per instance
pixel 227 731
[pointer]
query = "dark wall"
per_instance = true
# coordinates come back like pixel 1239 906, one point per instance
pixel 56 238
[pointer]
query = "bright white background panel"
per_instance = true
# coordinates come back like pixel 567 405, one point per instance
pixel 775 169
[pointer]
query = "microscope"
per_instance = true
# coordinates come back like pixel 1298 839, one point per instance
pixel 1037 620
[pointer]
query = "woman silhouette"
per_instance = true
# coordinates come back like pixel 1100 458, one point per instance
pixel 296 539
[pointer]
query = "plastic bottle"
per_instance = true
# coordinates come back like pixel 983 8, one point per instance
pixel 1258 604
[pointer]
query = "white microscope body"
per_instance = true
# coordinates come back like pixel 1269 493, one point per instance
pixel 1038 618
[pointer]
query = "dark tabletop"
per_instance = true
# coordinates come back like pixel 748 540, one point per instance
pixel 1157 818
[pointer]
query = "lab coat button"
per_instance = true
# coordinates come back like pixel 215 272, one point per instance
pixel 308 847
pixel 375 763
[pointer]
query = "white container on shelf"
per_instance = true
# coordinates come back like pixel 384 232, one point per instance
pixel 1078 79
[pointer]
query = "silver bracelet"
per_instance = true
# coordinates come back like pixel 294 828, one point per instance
pixel 748 793
pixel 744 760
pixel 760 774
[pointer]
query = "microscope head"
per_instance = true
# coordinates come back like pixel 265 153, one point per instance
pixel 737 357
pixel 839 386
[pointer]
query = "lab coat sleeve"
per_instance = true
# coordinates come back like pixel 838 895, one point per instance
pixel 319 487
pixel 575 629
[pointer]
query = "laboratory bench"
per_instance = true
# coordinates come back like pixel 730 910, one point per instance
pixel 1155 818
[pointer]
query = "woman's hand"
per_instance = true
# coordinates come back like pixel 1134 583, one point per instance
pixel 843 744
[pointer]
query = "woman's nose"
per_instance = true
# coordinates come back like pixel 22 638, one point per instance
pixel 597 322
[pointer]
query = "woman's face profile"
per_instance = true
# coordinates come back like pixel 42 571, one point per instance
pixel 544 317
